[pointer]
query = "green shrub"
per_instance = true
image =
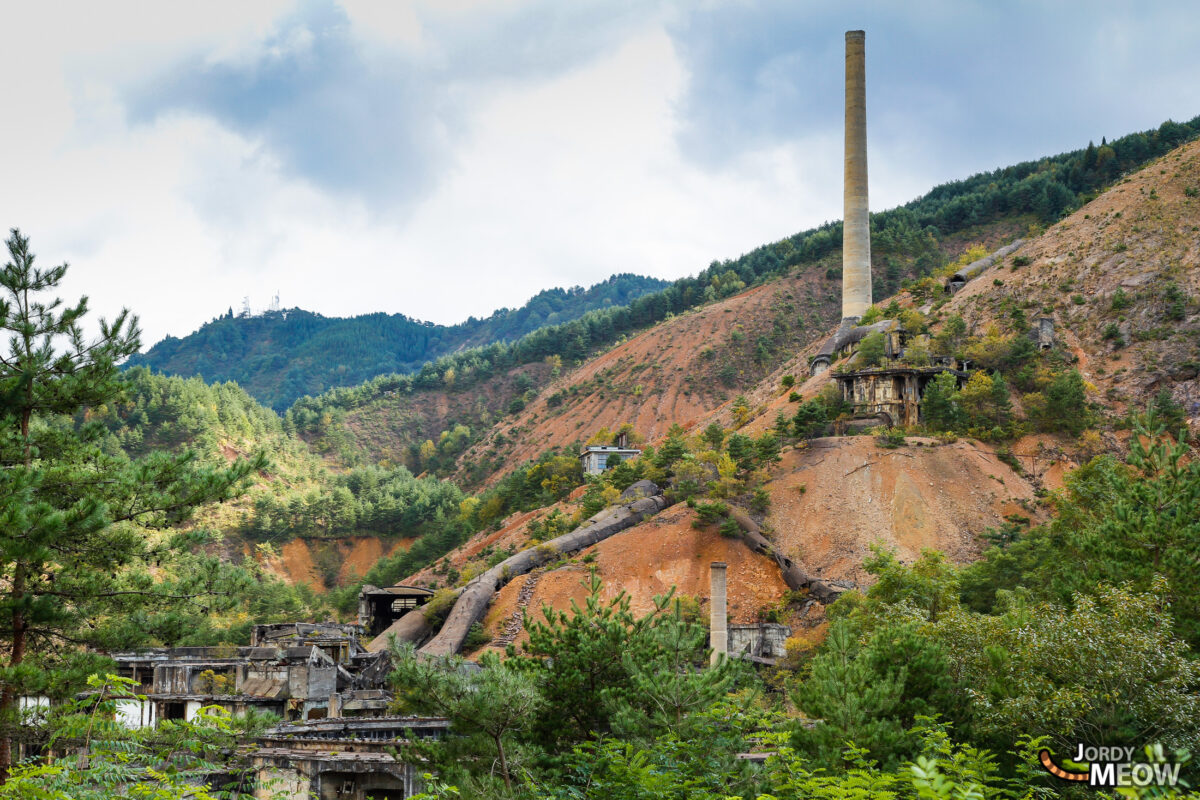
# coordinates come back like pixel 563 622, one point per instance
pixel 710 513
pixel 730 529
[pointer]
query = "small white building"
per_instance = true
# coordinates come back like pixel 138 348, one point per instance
pixel 597 458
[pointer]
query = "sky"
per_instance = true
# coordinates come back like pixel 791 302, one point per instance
pixel 444 159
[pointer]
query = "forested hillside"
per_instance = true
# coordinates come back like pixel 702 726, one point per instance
pixel 279 356
pixel 451 402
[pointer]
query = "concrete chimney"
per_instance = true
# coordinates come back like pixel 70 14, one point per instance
pixel 718 632
pixel 856 230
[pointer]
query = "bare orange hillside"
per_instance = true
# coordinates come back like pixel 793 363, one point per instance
pixel 647 560
pixel 675 372
pixel 832 500
pixel 1104 270
pixel 470 557
pixel 385 429
pixel 347 559
pixel 1105 275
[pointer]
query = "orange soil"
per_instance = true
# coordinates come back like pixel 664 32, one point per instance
pixel 649 559
pixel 833 499
pixel 855 494
pixel 359 553
pixel 1136 237
pixel 512 534
pixel 656 379
pixel 295 563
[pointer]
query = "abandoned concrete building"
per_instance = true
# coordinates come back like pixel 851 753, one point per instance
pixel 292 682
pixel 379 608
pixel 297 671
pixel 760 642
pixel 343 759
pixel 595 458
pixel 890 395
pixel 339 642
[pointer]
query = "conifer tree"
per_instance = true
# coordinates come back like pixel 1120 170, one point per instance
pixel 940 409
pixel 598 664
pixel 853 701
pixel 667 678
pixel 486 709
pixel 72 562
pixel 741 449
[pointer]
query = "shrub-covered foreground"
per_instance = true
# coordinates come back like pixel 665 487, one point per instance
pixel 937 681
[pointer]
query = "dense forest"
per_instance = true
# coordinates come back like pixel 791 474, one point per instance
pixel 279 356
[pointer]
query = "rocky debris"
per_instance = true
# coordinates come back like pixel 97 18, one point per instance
pixel 640 489
pixel 516 620
pixel 793 575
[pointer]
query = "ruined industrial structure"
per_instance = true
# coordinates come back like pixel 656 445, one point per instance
pixel 339 759
pixel 379 608
pixel 856 227
pixel 759 642
pixel 297 671
pixel 888 393
pixel 594 459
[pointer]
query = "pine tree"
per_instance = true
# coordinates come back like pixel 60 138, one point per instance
pixel 766 448
pixel 853 702
pixel 486 709
pixel 581 662
pixel 741 449
pixel 669 679
pixel 810 418
pixel 72 563
pixel 714 435
pixel 940 410
pixel 870 351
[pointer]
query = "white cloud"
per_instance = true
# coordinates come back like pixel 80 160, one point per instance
pixel 558 130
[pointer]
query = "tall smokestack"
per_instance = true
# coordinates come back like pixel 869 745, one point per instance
pixel 718 633
pixel 856 230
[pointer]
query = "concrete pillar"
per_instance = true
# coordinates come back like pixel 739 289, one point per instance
pixel 718 635
pixel 856 232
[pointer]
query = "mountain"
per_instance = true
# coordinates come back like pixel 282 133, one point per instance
pixel 457 400
pixel 280 356
pixel 355 492
pixel 1120 279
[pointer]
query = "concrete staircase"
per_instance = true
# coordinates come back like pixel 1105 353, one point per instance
pixel 512 628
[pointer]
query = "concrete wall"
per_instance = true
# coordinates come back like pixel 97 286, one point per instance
pixel 274 783
pixel 135 714
pixel 764 640
pixel 718 638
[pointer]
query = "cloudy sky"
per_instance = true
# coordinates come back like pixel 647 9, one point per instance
pixel 445 158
